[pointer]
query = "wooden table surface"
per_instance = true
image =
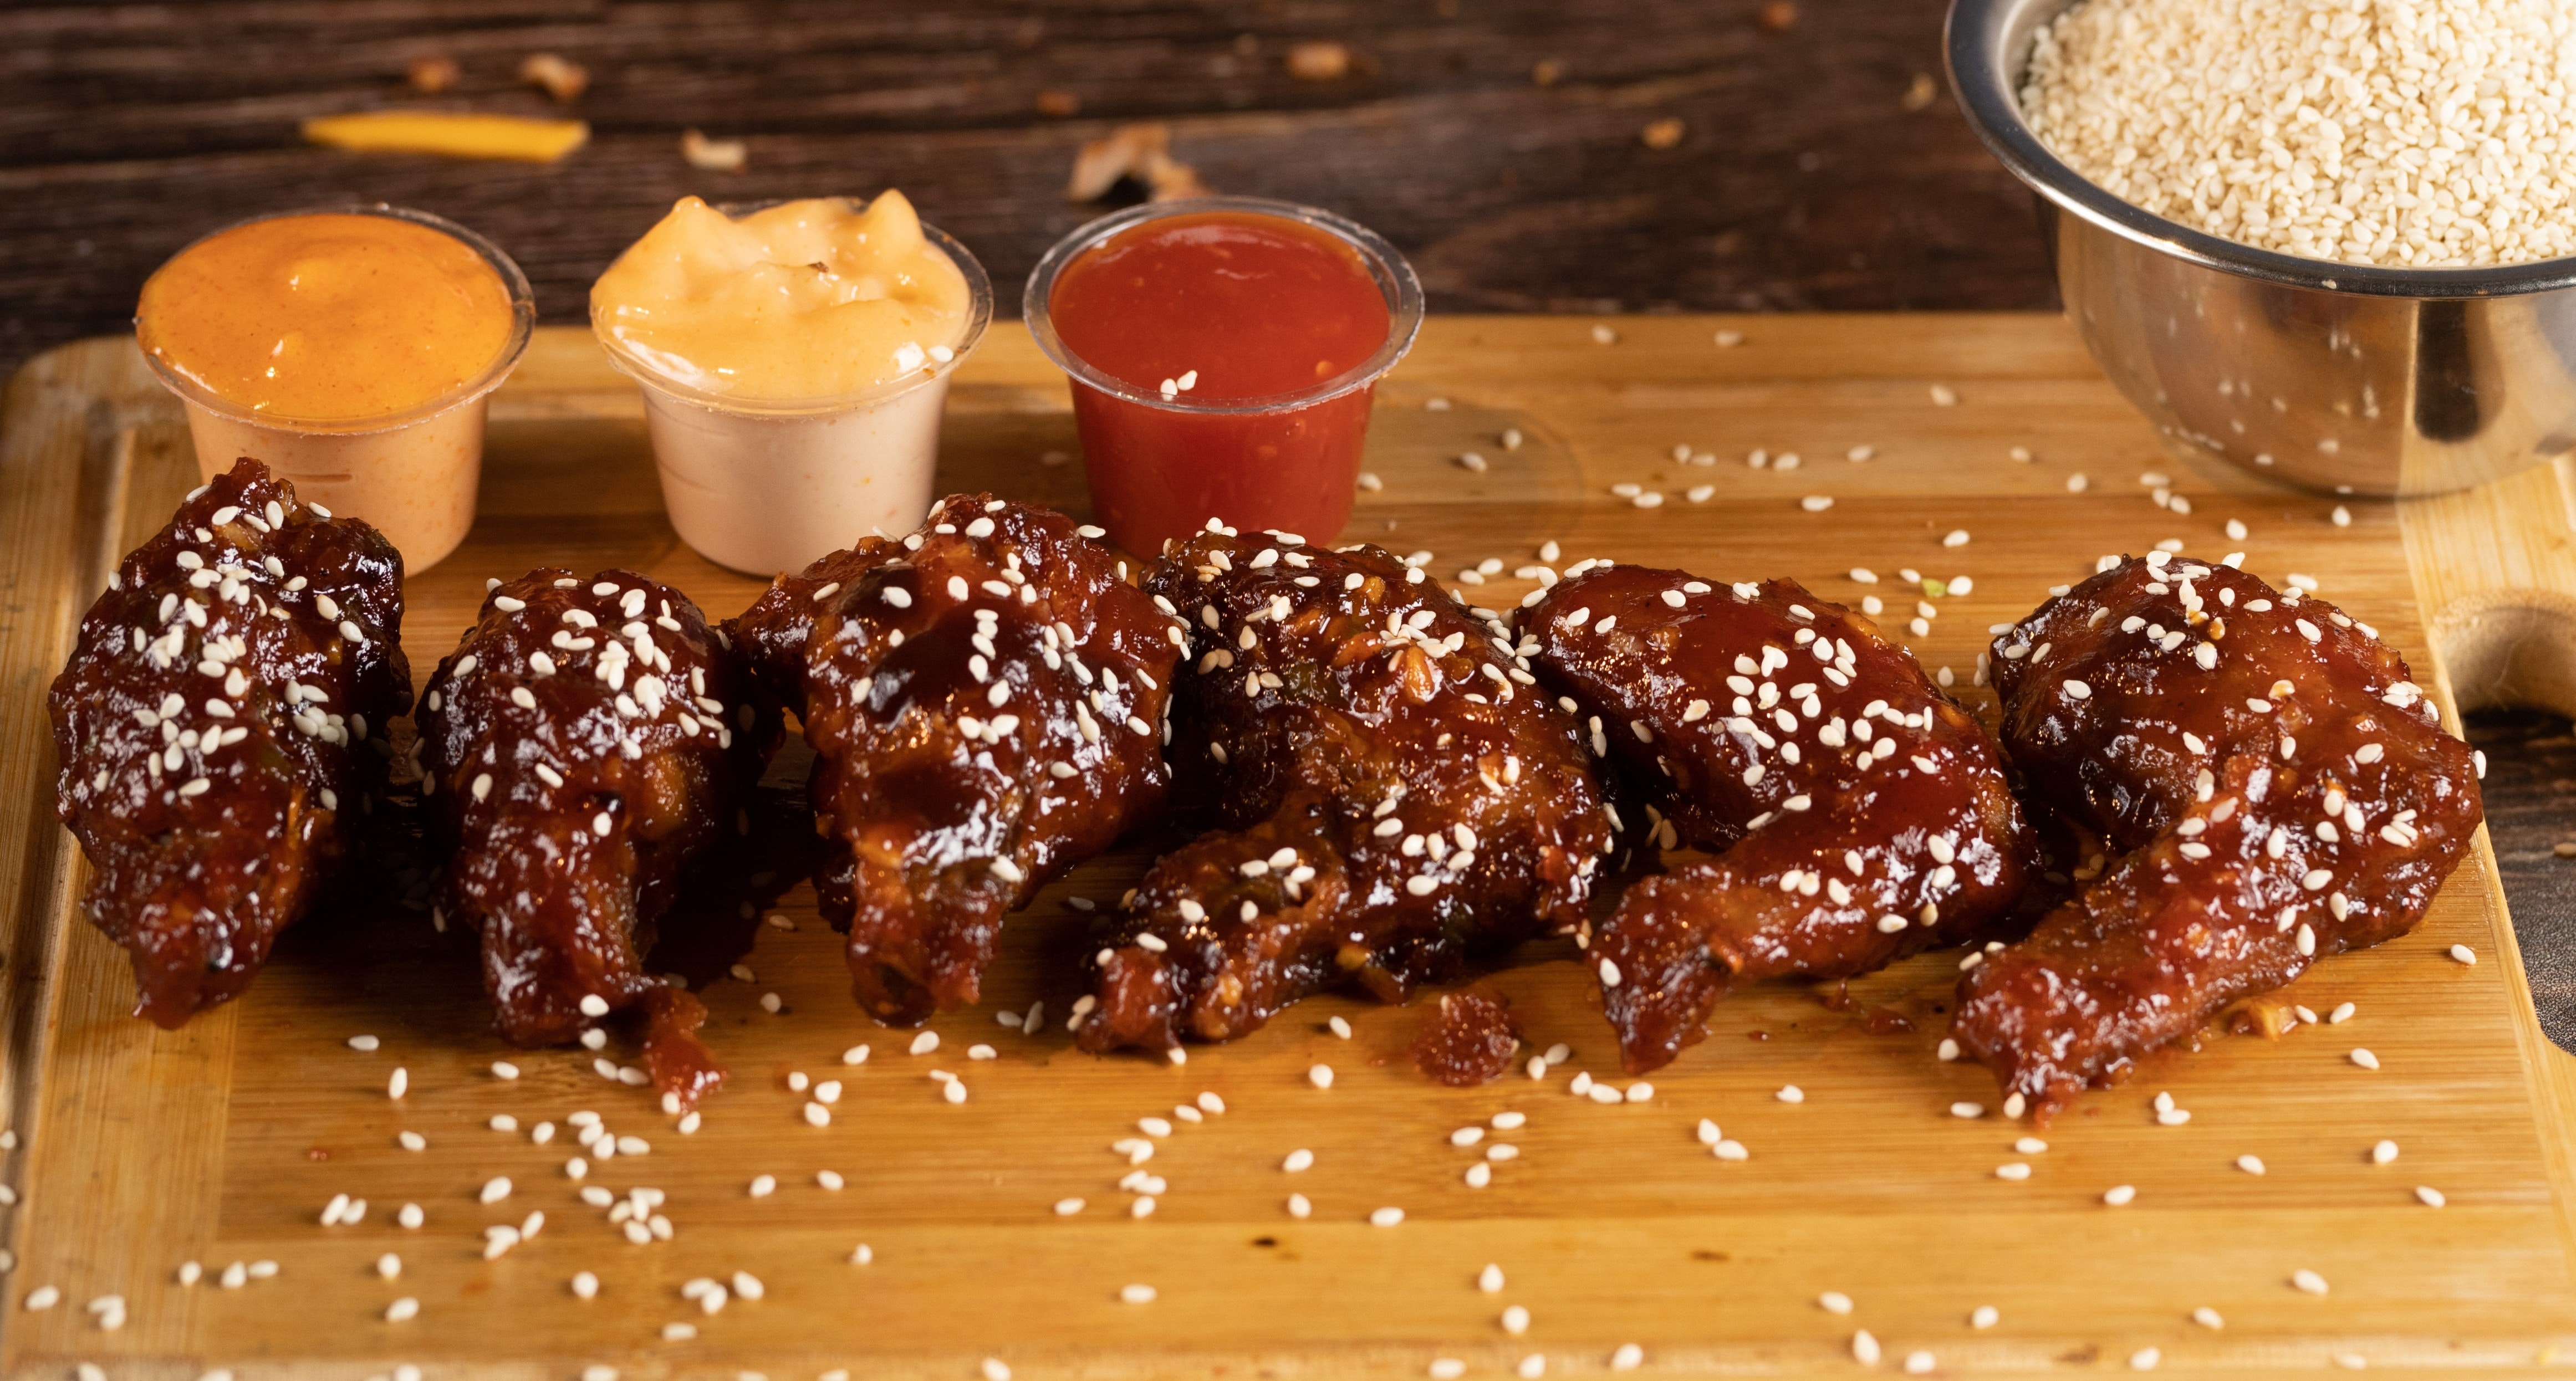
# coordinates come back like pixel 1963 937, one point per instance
pixel 1820 166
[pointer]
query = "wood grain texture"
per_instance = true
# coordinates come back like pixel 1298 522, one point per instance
pixel 1802 181
pixel 223 1142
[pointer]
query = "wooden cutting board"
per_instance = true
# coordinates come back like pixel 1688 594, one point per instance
pixel 138 1150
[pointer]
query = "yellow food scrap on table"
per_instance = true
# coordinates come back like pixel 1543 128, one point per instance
pixel 455 135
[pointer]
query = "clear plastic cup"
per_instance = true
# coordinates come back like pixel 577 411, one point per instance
pixel 1161 465
pixel 762 486
pixel 413 474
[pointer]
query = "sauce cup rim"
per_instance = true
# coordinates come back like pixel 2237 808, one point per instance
pixel 1387 268
pixel 523 323
pixel 979 316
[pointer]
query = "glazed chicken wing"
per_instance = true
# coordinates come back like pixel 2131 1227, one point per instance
pixel 587 742
pixel 1858 814
pixel 1397 800
pixel 222 717
pixel 2279 788
pixel 987 702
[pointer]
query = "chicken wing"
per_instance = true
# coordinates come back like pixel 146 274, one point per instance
pixel 1396 799
pixel 2279 788
pixel 987 701
pixel 222 716
pixel 586 743
pixel 1857 813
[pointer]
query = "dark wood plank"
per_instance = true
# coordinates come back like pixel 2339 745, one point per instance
pixel 1801 181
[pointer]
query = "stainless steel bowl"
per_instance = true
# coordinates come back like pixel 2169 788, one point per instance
pixel 2339 377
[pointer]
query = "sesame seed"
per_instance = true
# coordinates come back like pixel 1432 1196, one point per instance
pixel 1864 1348
pixel 1985 1316
pixel 362 1043
pixel 924 1043
pixel 2364 1058
pixel 1321 1076
pixel 1791 1093
pixel 1136 1294
pixel 402 1310
pixel 2430 1197
pixel 400 1083
pixel 2250 1164
pixel 1447 1369
pixel 1834 1302
pixel 1628 1357
pixel 762 1186
pixel 2119 1195
pixel 2012 1170
pixel 2308 1282
pixel 2463 954
pixel 1385 1217
pixel 1490 1279
pixel 2145 1359
pixel 1299 1206
pixel 2207 1317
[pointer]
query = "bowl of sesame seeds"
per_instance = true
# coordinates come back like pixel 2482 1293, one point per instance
pixel 2331 242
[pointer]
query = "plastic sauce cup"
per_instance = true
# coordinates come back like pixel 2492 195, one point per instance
pixel 413 474
pixel 762 486
pixel 1160 465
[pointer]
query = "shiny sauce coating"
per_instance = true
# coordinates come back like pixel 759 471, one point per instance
pixel 1858 814
pixel 589 740
pixel 2272 786
pixel 220 726
pixel 1396 800
pixel 987 701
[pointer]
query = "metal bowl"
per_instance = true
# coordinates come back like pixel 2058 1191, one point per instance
pixel 2338 377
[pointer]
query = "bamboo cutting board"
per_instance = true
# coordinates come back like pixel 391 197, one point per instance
pixel 139 1150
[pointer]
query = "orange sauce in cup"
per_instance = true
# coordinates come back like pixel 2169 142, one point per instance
pixel 327 318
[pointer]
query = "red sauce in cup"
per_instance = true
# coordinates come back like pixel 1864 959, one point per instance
pixel 1229 328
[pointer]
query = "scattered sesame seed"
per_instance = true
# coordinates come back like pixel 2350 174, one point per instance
pixel 2463 954
pixel 2308 1282
pixel 1321 1076
pixel 1339 1027
pixel 1985 1316
pixel 2012 1170
pixel 1490 1279
pixel 1516 1320
pixel 2430 1197
pixel 2250 1164
pixel 1299 1206
pixel 1136 1294
pixel 2364 1058
pixel 1864 1348
pixel 2145 1359
pixel 2207 1317
pixel 399 1084
pixel 924 1043
pixel 1791 1093
pixel 762 1186
pixel 1834 1302
pixel 2120 1195
pixel 1385 1217
pixel 495 1189
pixel 1628 1357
